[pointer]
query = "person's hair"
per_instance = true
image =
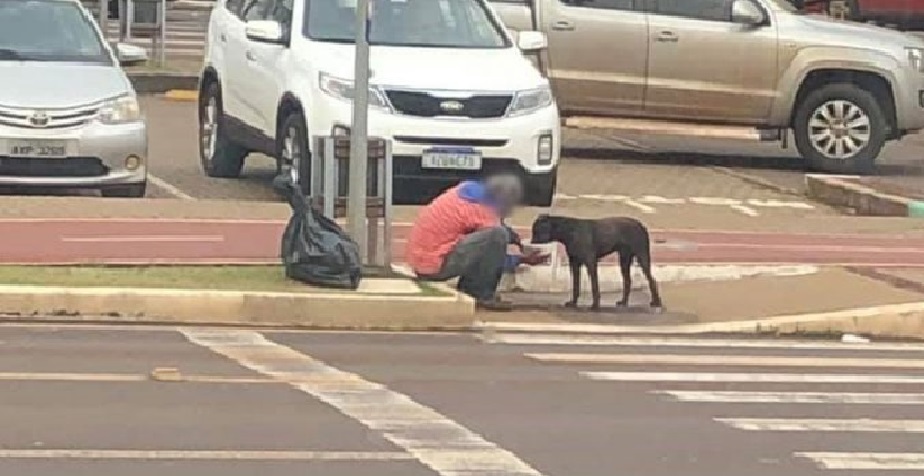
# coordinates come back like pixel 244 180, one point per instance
pixel 506 190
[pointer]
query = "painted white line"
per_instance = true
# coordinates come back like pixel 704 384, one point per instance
pixel 729 360
pixel 616 341
pixel 171 189
pixel 113 377
pixel 639 206
pixel 867 461
pixel 656 200
pixel 827 425
pixel 696 396
pixel 208 455
pixel 774 203
pixel 746 210
pixel 441 444
pixel 145 239
pixel 751 378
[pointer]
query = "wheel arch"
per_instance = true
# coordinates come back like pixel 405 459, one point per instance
pixel 869 81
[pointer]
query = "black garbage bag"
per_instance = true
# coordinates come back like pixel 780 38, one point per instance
pixel 315 250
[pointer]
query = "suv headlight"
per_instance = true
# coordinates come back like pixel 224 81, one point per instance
pixel 121 110
pixel 525 102
pixel 343 89
pixel 916 58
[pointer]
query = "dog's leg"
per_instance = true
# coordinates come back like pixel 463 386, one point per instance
pixel 575 282
pixel 645 262
pixel 625 265
pixel 594 284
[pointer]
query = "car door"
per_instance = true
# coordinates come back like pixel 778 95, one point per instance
pixel 238 83
pixel 597 54
pixel 266 63
pixel 702 66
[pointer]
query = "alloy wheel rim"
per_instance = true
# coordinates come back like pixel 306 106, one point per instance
pixel 291 154
pixel 210 129
pixel 839 129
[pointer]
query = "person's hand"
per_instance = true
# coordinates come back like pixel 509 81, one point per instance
pixel 535 258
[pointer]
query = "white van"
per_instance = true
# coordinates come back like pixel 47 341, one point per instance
pixel 448 86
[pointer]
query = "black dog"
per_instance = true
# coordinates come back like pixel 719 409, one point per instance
pixel 589 241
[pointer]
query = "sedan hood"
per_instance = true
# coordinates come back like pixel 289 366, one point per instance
pixel 58 85
pixel 487 70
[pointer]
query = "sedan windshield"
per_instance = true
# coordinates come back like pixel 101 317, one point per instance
pixel 429 23
pixel 48 30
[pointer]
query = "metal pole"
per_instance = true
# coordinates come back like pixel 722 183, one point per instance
pixel 356 214
pixel 104 18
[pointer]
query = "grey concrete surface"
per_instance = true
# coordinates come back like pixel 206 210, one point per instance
pixel 549 415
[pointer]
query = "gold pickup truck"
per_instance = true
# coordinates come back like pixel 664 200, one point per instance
pixel 842 88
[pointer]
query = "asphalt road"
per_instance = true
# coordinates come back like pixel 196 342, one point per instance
pixel 78 401
pixel 598 163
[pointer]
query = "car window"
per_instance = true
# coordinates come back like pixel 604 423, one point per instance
pixel 429 23
pixel 234 6
pixel 48 31
pixel 256 10
pixel 603 4
pixel 715 10
pixel 281 12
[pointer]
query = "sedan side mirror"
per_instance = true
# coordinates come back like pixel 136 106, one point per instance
pixel 532 41
pixel 264 31
pixel 746 12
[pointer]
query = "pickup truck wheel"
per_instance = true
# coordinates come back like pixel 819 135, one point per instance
pixel 841 128
pixel 540 189
pixel 293 155
pixel 219 155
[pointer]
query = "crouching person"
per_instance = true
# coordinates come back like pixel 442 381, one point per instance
pixel 461 234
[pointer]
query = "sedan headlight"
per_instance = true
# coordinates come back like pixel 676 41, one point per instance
pixel 916 58
pixel 525 102
pixel 120 110
pixel 343 89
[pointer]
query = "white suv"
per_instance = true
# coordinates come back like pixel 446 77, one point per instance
pixel 448 87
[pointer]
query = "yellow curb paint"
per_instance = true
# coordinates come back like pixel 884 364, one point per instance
pixel 182 95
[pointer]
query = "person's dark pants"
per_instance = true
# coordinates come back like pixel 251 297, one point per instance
pixel 478 261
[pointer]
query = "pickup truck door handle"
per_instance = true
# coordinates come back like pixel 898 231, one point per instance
pixel 667 37
pixel 250 56
pixel 563 25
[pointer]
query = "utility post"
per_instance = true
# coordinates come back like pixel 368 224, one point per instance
pixel 356 215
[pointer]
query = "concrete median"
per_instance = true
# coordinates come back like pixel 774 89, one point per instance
pixel 851 193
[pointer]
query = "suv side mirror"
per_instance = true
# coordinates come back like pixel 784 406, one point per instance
pixel 746 12
pixel 532 41
pixel 264 31
pixel 130 55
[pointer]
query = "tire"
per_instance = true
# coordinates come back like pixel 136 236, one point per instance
pixel 292 144
pixel 827 114
pixel 223 158
pixel 540 189
pixel 135 190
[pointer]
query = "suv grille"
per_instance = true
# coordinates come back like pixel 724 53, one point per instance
pixel 38 118
pixel 424 104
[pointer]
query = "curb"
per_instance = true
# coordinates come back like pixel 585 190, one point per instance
pixel 887 321
pixel 190 306
pixel 758 181
pixel 160 82
pixel 840 192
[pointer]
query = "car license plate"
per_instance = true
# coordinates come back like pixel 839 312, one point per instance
pixel 37 149
pixel 451 158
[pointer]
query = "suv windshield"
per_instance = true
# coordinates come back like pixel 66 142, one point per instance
pixel 47 30
pixel 433 23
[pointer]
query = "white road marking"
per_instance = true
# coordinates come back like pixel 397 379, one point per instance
pixel 795 397
pixel 774 203
pixel 145 239
pixel 732 203
pixel 439 443
pixel 208 455
pixel 751 378
pixel 656 200
pixel 867 461
pixel 826 425
pixel 728 360
pixel 171 189
pixel 114 377
pixel 746 210
pixel 631 341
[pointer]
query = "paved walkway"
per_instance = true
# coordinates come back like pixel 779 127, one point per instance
pixel 257 241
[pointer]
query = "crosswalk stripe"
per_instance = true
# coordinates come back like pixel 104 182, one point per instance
pixel 794 397
pixel 867 461
pixel 630 341
pixel 208 455
pixel 829 425
pixel 726 360
pixel 750 378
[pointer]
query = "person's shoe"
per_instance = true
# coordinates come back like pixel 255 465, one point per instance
pixel 494 305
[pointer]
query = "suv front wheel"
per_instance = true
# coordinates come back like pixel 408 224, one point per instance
pixel 220 156
pixel 841 128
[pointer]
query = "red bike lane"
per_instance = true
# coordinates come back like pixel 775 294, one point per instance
pixel 139 241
